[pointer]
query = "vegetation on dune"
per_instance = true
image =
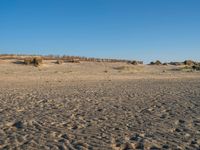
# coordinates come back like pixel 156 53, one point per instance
pixel 134 62
pixel 165 64
pixel 196 67
pixel 157 62
pixel 189 62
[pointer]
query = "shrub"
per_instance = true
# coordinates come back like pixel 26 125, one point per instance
pixel 165 64
pixel 157 62
pixel 134 62
pixel 196 67
pixel 152 63
pixel 189 62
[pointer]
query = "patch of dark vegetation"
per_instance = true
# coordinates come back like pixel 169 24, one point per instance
pixel 134 62
pixel 157 62
pixel 186 63
pixel 196 67
pixel 188 68
pixel 165 64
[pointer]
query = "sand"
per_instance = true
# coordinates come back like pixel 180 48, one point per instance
pixel 98 105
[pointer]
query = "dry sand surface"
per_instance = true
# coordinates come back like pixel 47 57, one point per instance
pixel 104 106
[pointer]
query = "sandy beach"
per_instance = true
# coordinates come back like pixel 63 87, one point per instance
pixel 98 106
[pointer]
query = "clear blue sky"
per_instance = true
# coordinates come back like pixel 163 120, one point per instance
pixel 132 29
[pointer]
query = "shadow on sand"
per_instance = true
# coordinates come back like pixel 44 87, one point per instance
pixel 18 62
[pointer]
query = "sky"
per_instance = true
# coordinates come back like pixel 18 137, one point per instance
pixel 168 30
